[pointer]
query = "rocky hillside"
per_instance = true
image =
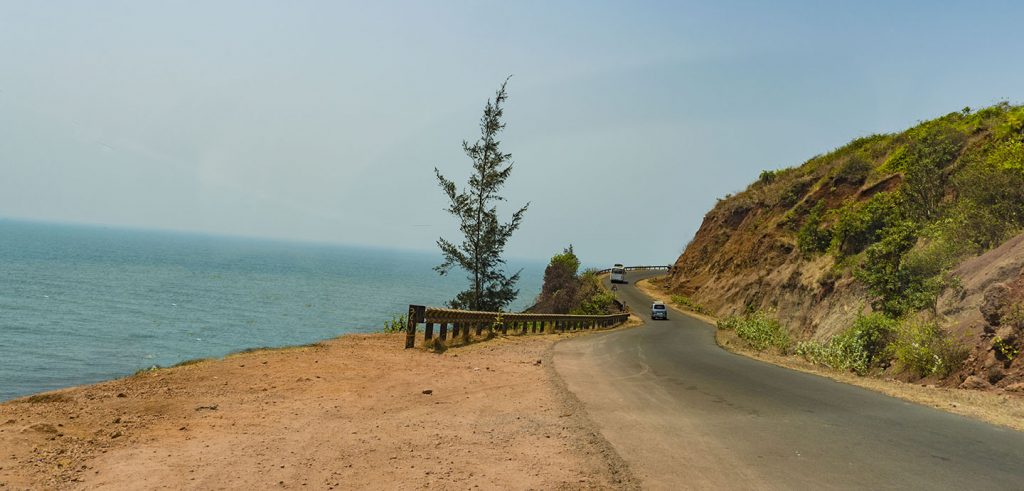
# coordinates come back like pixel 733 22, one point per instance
pixel 921 227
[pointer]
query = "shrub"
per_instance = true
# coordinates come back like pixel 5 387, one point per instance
pixel 923 163
pixel 437 345
pixel 925 349
pixel 857 349
pixel 596 304
pixel 689 303
pixel 767 176
pixel 899 286
pixel 857 224
pixel 854 171
pixel 991 190
pixel 1005 349
pixel 397 323
pixel 812 238
pixel 759 330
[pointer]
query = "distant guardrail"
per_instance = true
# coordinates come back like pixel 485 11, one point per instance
pixel 636 268
pixel 463 322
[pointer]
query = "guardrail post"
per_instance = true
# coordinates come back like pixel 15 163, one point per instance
pixel 479 328
pixel 504 328
pixel 455 330
pixel 428 331
pixel 444 331
pixel 416 315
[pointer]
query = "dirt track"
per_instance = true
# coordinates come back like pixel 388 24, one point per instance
pixel 348 413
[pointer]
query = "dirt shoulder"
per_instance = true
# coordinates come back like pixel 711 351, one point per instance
pixel 347 413
pixel 993 406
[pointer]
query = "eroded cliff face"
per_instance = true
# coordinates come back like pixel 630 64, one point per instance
pixel 797 242
pixel 745 257
pixel 986 309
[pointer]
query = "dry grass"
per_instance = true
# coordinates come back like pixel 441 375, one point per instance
pixel 996 407
pixel 45 398
pixel 1000 408
pixel 658 292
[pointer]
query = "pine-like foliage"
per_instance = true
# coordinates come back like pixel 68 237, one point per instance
pixel 484 236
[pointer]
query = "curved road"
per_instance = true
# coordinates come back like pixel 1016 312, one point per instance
pixel 686 414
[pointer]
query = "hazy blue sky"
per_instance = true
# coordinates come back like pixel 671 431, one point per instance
pixel 324 120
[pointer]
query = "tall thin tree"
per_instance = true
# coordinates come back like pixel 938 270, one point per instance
pixel 484 236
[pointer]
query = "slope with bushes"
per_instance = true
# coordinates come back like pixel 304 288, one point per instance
pixel 567 291
pixel 880 256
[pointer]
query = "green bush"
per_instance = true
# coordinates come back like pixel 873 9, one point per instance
pixel 597 304
pixel 812 238
pixel 925 349
pixel 767 176
pixel 688 303
pixel 1005 349
pixel 901 278
pixel 398 323
pixel 759 330
pixel 854 171
pixel 924 179
pixel 857 224
pixel 857 349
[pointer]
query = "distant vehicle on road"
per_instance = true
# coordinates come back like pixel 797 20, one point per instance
pixel 658 311
pixel 618 274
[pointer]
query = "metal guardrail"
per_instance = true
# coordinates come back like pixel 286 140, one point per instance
pixel 462 322
pixel 637 268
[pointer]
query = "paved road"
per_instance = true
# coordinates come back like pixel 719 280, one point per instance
pixel 687 414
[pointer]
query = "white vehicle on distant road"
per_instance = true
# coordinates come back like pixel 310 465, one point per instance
pixel 658 311
pixel 618 274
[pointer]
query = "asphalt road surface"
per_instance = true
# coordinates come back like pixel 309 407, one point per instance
pixel 687 414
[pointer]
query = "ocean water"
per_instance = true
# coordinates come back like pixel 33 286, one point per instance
pixel 83 304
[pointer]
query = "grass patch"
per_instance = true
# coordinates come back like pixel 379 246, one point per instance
pixel 193 361
pixel 759 330
pixel 397 323
pixel 45 399
pixel 437 345
pixel 925 349
pixel 689 304
pixel 857 349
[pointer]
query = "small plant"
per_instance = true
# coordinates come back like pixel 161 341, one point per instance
pixel 437 345
pixel 856 349
pixel 397 323
pixel 813 238
pixel 193 361
pixel 767 176
pixel 1007 350
pixel 689 303
pixel 925 349
pixel 759 330
pixel 45 398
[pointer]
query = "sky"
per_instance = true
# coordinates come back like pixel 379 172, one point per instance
pixel 324 121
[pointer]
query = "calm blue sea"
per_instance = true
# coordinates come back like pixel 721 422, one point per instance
pixel 83 304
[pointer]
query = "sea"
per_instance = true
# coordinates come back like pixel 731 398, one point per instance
pixel 81 304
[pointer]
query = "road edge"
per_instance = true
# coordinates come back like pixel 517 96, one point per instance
pixel 979 406
pixel 622 474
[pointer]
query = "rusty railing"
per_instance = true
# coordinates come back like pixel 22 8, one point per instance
pixel 636 268
pixel 462 322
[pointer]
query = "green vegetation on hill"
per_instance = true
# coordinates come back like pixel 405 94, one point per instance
pixel 955 188
pixel 566 291
pixel 895 213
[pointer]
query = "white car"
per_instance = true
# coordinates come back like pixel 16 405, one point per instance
pixel 618 274
pixel 659 311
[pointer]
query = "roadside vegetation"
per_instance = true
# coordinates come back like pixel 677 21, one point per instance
pixel 688 303
pixel 567 291
pixel 895 213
